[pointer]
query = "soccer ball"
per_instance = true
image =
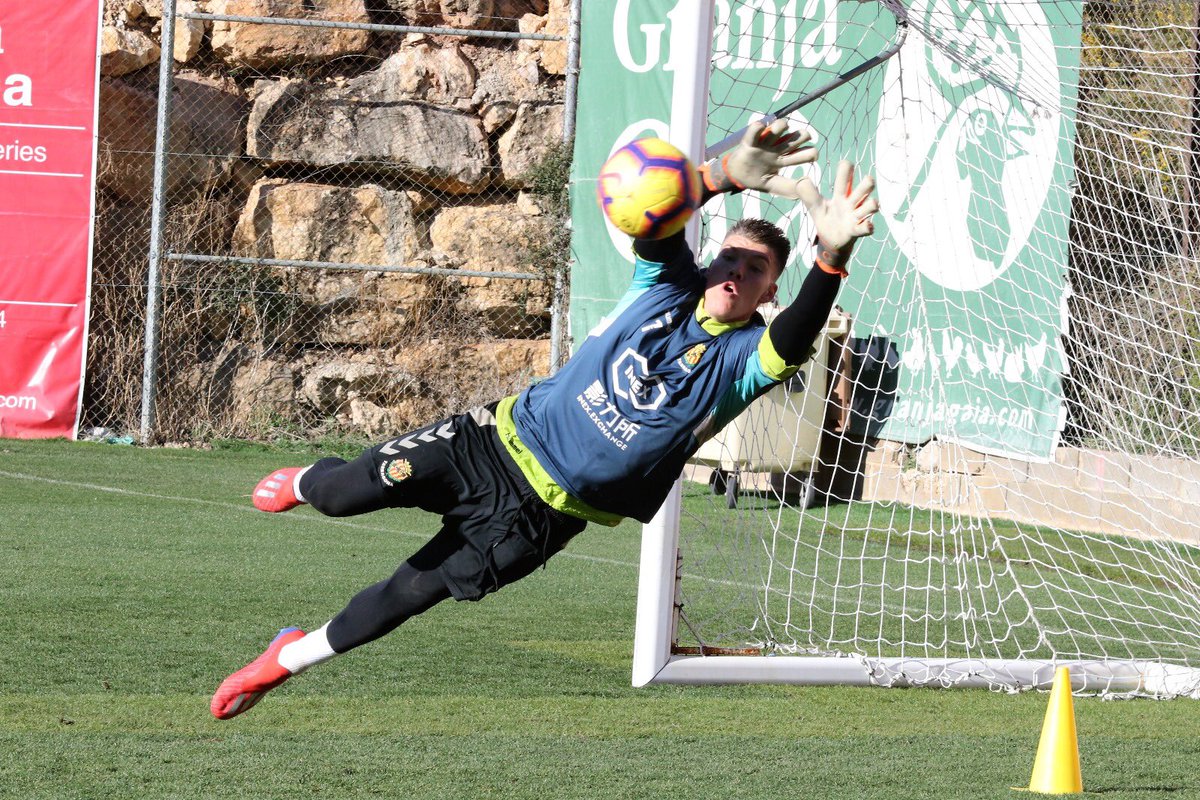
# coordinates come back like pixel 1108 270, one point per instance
pixel 648 189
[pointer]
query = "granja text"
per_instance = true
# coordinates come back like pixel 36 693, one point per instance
pixel 757 34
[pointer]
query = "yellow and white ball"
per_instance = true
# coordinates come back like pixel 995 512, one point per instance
pixel 648 189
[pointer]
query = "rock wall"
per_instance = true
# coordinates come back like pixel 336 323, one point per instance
pixel 333 145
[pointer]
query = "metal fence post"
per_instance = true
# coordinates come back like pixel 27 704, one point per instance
pixel 158 211
pixel 571 89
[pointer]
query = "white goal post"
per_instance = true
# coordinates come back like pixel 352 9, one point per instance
pixel 1002 475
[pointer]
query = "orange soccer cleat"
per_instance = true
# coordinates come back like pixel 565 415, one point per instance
pixel 276 492
pixel 241 690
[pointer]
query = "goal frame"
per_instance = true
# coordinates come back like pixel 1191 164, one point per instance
pixel 656 660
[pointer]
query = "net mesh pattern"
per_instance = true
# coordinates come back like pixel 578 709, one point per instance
pixel 1037 172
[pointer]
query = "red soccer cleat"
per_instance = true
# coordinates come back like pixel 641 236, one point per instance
pixel 276 492
pixel 241 690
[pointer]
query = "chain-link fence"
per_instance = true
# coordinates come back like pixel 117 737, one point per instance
pixel 357 223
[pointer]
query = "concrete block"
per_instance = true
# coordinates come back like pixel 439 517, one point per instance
pixel 1102 471
pixel 1062 506
pixel 950 457
pixel 1153 476
pixel 1008 470
pixel 1051 474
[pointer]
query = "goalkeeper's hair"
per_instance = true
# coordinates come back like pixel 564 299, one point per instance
pixel 767 234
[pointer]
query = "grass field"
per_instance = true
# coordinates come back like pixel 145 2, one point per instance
pixel 135 580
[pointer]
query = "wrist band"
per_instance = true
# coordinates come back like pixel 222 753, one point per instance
pixel 716 177
pixel 833 260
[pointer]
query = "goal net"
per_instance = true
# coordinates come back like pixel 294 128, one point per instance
pixel 990 467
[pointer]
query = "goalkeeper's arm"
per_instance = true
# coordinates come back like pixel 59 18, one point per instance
pixel 840 221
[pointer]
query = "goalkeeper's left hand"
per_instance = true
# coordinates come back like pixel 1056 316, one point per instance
pixel 842 218
pixel 756 162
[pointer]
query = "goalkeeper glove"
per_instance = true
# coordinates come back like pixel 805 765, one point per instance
pixel 841 219
pixel 755 163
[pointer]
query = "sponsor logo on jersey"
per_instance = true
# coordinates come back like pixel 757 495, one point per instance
pixel 618 429
pixel 631 380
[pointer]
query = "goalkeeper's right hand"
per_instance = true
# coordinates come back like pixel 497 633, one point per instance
pixel 756 162
pixel 842 218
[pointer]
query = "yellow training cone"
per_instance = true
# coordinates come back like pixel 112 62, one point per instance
pixel 1056 768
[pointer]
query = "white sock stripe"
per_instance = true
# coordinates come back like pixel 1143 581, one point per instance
pixel 306 652
pixel 296 484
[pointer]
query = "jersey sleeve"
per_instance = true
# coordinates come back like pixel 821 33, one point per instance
pixel 661 261
pixel 788 340
pixel 774 366
pixel 777 351
pixel 761 368
pixel 676 268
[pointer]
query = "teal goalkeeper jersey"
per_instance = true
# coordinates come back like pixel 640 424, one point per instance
pixel 615 426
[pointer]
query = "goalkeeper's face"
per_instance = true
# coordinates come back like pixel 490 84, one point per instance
pixel 741 278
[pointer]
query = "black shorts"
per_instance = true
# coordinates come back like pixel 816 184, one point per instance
pixel 495 529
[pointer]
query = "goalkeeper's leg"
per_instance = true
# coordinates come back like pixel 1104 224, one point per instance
pixel 403 472
pixel 495 531
pixel 371 613
pixel 458 469
pixel 332 486
pixel 466 560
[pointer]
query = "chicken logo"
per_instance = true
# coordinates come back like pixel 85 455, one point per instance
pixel 969 137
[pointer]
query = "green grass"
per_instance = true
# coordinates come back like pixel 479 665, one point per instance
pixel 133 581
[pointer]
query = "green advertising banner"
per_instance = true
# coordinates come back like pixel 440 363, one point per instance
pixel 968 130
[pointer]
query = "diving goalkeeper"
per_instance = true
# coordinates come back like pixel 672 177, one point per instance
pixel 681 355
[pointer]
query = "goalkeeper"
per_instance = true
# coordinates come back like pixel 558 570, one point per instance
pixel 681 355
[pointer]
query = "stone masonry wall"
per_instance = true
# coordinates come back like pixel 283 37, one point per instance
pixel 321 144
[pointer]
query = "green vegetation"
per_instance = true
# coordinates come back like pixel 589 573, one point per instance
pixel 1135 138
pixel 135 580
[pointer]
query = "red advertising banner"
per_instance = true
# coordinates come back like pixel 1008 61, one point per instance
pixel 48 89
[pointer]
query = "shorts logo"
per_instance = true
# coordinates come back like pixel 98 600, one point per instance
pixel 392 472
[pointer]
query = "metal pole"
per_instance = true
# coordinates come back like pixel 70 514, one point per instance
pixel 1191 167
pixel 570 100
pixel 158 211
pixel 691 38
pixel 558 308
pixel 556 320
pixel 368 26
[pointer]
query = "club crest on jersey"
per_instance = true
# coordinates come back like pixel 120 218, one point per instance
pixel 691 358
pixel 392 472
